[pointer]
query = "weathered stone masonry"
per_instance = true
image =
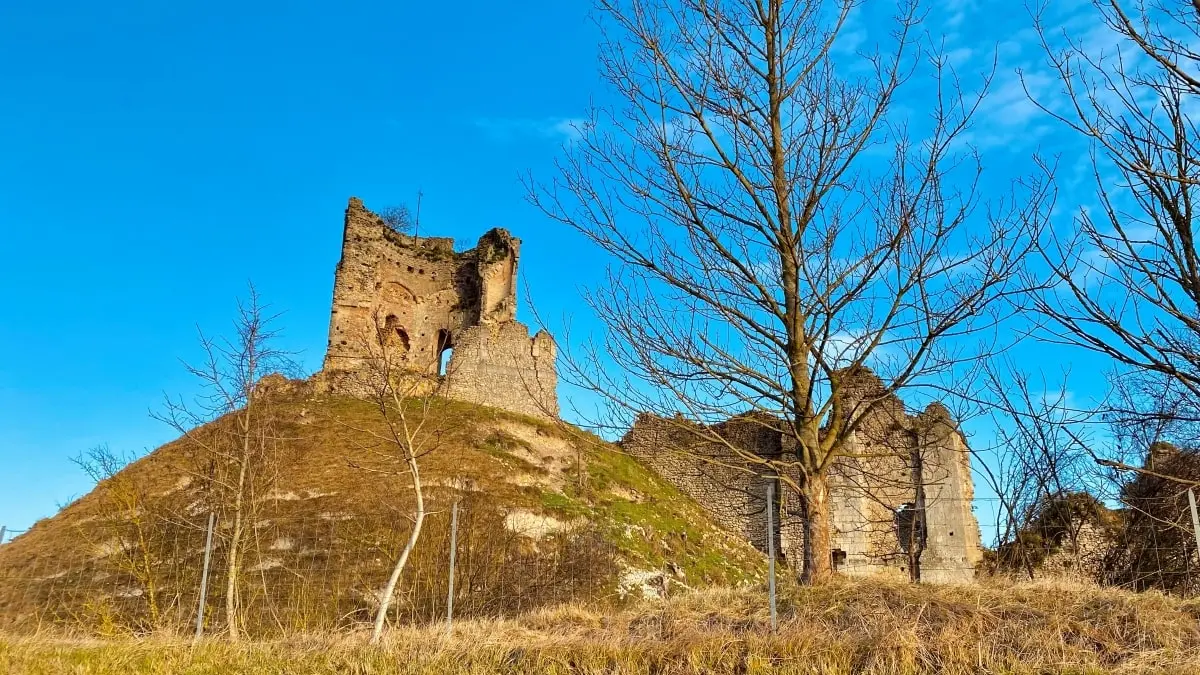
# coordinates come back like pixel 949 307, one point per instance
pixel 902 463
pixel 427 299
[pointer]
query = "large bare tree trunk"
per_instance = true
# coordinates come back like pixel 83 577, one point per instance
pixel 818 528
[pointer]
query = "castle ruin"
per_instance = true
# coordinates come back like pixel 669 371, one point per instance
pixel 900 497
pixel 449 316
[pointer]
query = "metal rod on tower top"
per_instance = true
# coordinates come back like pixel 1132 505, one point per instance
pixel 771 550
pixel 417 219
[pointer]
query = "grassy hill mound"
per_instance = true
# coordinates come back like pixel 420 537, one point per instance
pixel 547 514
pixel 862 627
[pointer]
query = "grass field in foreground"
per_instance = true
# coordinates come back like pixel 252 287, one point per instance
pixel 860 627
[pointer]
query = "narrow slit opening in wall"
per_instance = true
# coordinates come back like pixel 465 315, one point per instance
pixel 445 350
pixel 909 528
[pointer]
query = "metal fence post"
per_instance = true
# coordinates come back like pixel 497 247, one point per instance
pixel 212 519
pixel 771 550
pixel 3 530
pixel 453 550
pixel 1195 517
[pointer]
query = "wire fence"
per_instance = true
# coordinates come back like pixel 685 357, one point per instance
pixel 324 572
pixel 300 575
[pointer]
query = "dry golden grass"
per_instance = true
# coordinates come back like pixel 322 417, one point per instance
pixel 869 628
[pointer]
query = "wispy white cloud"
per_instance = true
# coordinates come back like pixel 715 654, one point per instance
pixel 959 56
pixel 1009 116
pixel 509 129
pixel 956 11
pixel 853 34
pixel 847 347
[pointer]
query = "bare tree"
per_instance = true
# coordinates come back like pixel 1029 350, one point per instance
pixel 130 518
pixel 401 219
pixel 1127 278
pixel 404 392
pixel 398 218
pixel 778 224
pixel 232 441
pixel 1040 466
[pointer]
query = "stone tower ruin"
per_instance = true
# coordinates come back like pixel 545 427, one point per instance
pixel 451 316
pixel 902 471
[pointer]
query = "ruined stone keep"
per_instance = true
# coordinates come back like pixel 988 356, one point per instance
pixel 905 472
pixel 450 316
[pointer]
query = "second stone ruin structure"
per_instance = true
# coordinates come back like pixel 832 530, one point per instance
pixel 901 472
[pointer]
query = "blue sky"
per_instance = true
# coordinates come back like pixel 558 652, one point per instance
pixel 154 157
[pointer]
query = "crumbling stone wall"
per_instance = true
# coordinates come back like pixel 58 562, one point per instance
pixel 731 490
pixel 900 464
pixel 1080 557
pixel 498 365
pixel 953 544
pixel 426 299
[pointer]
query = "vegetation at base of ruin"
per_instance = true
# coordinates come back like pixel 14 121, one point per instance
pixel 626 500
pixel 1146 540
pixel 658 535
pixel 1121 285
pixel 502 445
pixel 1155 544
pixel 843 628
pixel 1050 527
pixel 326 534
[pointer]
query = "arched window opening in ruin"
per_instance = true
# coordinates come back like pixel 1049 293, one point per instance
pixel 445 349
pixel 909 528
